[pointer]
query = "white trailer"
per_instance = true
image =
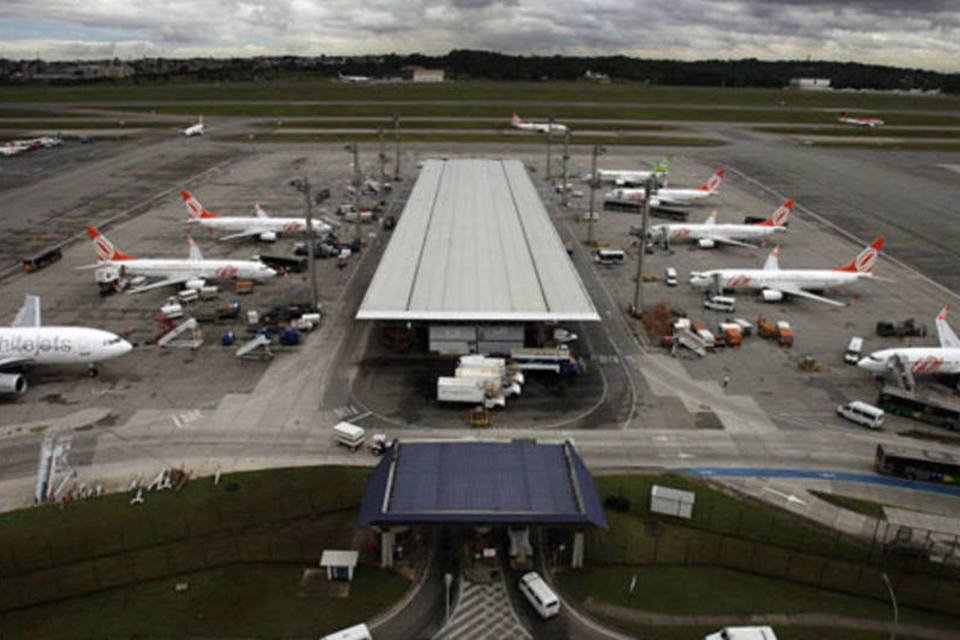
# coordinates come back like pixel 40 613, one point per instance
pixel 470 390
pixel 743 633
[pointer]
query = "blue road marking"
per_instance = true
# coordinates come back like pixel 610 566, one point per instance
pixel 843 476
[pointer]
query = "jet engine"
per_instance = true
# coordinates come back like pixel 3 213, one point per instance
pixel 268 236
pixel 772 296
pixel 706 243
pixel 12 383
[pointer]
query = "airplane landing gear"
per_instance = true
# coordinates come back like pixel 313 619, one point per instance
pixel 93 370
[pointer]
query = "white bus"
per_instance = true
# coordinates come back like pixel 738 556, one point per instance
pixel 609 256
pixel 542 597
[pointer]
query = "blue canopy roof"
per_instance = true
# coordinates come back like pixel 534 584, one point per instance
pixel 519 482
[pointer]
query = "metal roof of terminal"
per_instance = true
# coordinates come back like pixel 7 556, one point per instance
pixel 517 482
pixel 475 242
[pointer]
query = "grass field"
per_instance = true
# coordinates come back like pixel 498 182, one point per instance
pixel 887 145
pixel 713 590
pixel 516 92
pixel 57 125
pixel 539 111
pixel 473 138
pixel 245 601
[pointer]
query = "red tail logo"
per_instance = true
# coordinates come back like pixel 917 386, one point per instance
pixel 194 208
pixel 714 182
pixel 105 249
pixel 866 259
pixel 780 216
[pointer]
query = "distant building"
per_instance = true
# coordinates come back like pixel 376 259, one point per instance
pixel 427 75
pixel 810 84
pixel 596 76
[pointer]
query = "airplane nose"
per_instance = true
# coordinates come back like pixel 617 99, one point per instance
pixel 124 347
pixel 870 365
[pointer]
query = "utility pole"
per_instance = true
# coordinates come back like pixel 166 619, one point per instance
pixel 304 186
pixel 597 150
pixel 566 159
pixel 638 292
pixel 383 155
pixel 549 143
pixel 893 599
pixel 396 142
pixel 356 187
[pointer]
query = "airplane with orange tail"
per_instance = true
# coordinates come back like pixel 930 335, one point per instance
pixel 775 283
pixel 174 271
pixel 261 226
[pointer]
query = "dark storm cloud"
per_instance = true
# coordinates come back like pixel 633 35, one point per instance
pixel 922 33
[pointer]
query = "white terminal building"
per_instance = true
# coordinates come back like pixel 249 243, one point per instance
pixel 476 260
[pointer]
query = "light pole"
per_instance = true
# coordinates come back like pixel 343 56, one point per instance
pixel 304 187
pixel 549 143
pixel 893 599
pixel 597 151
pixel 566 159
pixel 352 147
pixel 383 155
pixel 448 580
pixel 638 292
pixel 396 142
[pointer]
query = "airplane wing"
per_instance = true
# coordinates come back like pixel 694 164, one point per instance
pixel 243 234
pixel 15 361
pixel 29 313
pixel 736 243
pixel 948 339
pixel 797 291
pixel 163 283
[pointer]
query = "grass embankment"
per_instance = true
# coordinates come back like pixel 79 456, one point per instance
pixel 261 601
pixel 473 138
pixel 735 557
pixel 107 567
pixel 857 505
pixel 704 591
pixel 556 91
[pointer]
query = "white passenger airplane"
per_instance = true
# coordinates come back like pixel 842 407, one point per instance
pixel 194 130
pixel 709 234
pixel 262 225
pixel 860 122
pixel 921 360
pixel 669 196
pixel 344 78
pixel 632 177
pixel 539 127
pixel 172 270
pixel 27 343
pixel 775 283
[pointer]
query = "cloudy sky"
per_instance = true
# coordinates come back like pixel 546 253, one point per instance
pixel 907 33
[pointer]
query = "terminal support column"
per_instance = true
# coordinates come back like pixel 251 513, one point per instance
pixel 576 558
pixel 387 540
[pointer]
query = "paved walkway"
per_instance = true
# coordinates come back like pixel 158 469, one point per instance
pixel 483 613
pixel 773 619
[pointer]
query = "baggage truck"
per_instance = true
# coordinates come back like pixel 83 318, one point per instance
pixel 471 390
pixel 349 435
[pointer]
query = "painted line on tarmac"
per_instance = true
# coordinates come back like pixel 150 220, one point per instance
pixel 842 476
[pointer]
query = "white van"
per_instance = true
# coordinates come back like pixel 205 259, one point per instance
pixel 349 435
pixel 356 632
pixel 542 597
pixel 862 413
pixel 609 256
pixel 670 277
pixel 854 351
pixel 720 303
